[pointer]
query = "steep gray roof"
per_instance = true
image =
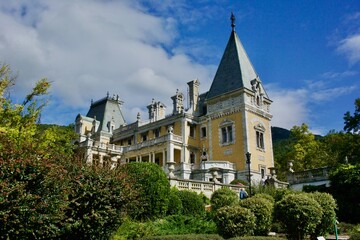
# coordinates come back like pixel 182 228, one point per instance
pixel 106 110
pixel 235 70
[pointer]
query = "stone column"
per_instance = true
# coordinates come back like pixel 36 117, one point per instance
pixel 88 153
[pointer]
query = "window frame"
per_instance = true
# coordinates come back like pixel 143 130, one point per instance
pixel 260 137
pixel 227 133
pixel 203 132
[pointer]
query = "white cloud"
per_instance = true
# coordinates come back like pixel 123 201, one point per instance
pixel 338 75
pixel 350 47
pixel 289 106
pixel 292 107
pixel 87 48
pixel 331 93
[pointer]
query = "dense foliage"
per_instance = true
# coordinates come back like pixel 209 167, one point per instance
pixel 234 221
pixel 150 181
pixel 223 197
pixel 45 191
pixel 352 122
pixel 300 214
pixel 97 202
pixel 345 187
pixel 328 205
pixel 263 211
pixel 32 197
pixel 175 205
pixel 193 203
pixel 170 225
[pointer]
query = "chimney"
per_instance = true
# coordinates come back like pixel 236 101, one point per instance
pixel 194 93
pixel 157 111
pixel 178 102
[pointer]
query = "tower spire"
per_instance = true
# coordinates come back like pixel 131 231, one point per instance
pixel 232 18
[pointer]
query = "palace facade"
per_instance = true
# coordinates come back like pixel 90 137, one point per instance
pixel 212 135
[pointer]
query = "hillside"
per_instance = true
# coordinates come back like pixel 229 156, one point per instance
pixel 279 134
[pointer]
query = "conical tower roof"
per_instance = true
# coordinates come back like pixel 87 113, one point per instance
pixel 235 70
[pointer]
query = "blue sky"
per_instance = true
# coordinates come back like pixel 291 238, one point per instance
pixel 307 53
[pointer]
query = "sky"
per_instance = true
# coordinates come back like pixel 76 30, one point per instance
pixel 307 53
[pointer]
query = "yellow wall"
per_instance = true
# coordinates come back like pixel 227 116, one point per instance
pixel 259 156
pixel 233 152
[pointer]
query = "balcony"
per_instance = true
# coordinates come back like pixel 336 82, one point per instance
pixel 152 142
pixel 307 176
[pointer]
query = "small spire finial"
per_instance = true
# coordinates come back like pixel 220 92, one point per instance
pixel 232 18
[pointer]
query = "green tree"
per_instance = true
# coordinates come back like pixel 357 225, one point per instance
pixel 300 215
pixel 33 196
pixel 18 121
pixel 151 182
pixel 303 149
pixel 328 205
pixel 33 190
pixel 97 201
pixel 235 221
pixel 342 147
pixel 55 140
pixel 193 203
pixel 345 187
pixel 263 211
pixel 352 123
pixel 175 205
pixel 223 197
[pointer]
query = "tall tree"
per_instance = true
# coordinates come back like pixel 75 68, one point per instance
pixel 352 122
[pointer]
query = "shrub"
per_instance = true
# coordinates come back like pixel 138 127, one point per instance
pixel 328 206
pixel 355 233
pixel 239 181
pixel 192 203
pixel 175 204
pixel 151 182
pixel 223 197
pixel 263 210
pixel 234 221
pixel 186 237
pixel 131 229
pixel 32 198
pixel 182 224
pixel 299 213
pixel 170 225
pixel 257 238
pixel 97 201
pixel 265 196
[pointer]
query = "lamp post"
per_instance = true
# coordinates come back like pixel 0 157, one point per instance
pixel 248 162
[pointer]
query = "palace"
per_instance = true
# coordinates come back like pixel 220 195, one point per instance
pixel 214 133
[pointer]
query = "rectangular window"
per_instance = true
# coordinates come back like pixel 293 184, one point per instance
pixel 230 133
pixel 157 132
pixel 129 141
pixel 260 140
pixel 227 134
pixel 203 132
pixel 224 135
pixel 144 136
pixel 192 157
pixel 192 130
